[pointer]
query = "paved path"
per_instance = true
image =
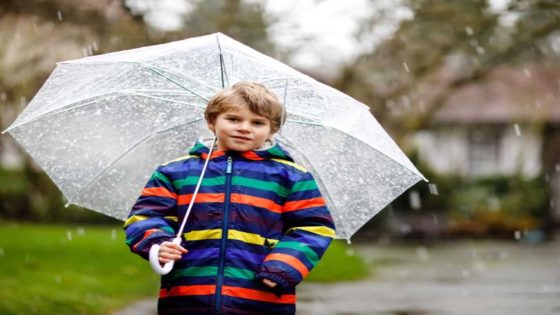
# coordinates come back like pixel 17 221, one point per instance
pixel 456 278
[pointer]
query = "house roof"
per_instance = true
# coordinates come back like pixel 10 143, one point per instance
pixel 509 94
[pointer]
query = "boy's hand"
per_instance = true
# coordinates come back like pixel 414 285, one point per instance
pixel 268 283
pixel 169 251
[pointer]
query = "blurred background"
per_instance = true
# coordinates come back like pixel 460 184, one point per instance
pixel 469 89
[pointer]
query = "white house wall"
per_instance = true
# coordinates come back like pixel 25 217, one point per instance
pixel 446 151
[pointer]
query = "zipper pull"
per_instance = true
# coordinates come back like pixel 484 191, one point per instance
pixel 229 165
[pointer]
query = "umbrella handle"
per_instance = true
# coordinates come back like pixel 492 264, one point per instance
pixel 154 259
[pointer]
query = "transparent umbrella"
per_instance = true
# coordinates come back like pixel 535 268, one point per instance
pixel 100 125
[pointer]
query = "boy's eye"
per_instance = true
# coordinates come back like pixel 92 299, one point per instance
pixel 232 119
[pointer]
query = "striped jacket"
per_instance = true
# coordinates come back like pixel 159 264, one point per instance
pixel 257 215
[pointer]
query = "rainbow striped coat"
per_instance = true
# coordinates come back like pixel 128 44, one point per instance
pixel 257 215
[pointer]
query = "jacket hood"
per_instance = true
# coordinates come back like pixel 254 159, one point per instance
pixel 270 150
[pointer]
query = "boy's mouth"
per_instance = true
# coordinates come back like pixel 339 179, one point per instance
pixel 241 138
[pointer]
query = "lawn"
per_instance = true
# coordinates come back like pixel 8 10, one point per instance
pixel 48 269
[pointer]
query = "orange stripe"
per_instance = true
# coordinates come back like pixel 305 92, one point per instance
pixel 304 204
pixel 188 290
pixel 186 199
pixel 257 202
pixel 251 294
pixel 215 154
pixel 290 260
pixel 158 192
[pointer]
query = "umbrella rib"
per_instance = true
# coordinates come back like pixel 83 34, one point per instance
pixel 326 194
pixel 68 107
pixel 157 71
pixel 120 157
pixel 222 63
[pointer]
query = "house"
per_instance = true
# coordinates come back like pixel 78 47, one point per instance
pixel 506 124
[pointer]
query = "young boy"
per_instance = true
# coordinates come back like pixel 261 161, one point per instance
pixel 258 225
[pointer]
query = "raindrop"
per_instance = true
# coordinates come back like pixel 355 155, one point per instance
pixel 517 235
pixel 113 234
pixel 480 50
pixel 69 235
pixel 22 102
pixel 557 167
pixel 433 189
pixel 422 254
pixel 59 14
pixel 406 67
pixel 527 72
pixel 94 45
pixel 90 50
pixel 84 52
pixel 350 252
pixel 414 200
pixel 469 31
pixel 1 252
pixel 517 130
pixel 81 231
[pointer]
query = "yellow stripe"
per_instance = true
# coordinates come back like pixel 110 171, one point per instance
pixel 320 230
pixel 250 238
pixel 245 237
pixel 299 167
pixel 134 219
pixel 172 218
pixel 203 235
pixel 179 159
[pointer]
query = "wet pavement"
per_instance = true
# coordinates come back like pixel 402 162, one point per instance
pixel 453 278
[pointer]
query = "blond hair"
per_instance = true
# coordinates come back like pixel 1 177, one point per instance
pixel 254 95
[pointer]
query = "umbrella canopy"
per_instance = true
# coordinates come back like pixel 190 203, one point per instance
pixel 100 125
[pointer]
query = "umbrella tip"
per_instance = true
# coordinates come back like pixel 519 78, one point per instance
pixel 66 205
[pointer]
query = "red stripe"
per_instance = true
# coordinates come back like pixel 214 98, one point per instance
pixel 256 295
pixel 188 290
pixel 251 155
pixel 186 199
pixel 304 204
pixel 290 260
pixel 257 202
pixel 146 234
pixel 158 192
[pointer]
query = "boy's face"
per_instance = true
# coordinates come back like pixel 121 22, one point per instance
pixel 239 129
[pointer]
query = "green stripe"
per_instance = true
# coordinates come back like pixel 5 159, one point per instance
pixel 231 272
pixel 305 185
pixel 211 272
pixel 237 180
pixel 259 184
pixel 193 180
pixel 306 250
pixel 160 176
pixel 193 272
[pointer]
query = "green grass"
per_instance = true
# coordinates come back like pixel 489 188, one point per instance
pixel 50 269
pixel 68 270
pixel 340 263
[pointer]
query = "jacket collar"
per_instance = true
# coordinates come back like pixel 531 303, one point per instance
pixel 271 150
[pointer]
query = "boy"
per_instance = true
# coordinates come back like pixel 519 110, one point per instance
pixel 258 224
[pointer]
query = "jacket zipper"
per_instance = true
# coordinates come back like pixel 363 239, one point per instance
pixel 222 258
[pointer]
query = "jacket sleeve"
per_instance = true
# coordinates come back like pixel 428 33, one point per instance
pixel 309 231
pixel 153 218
